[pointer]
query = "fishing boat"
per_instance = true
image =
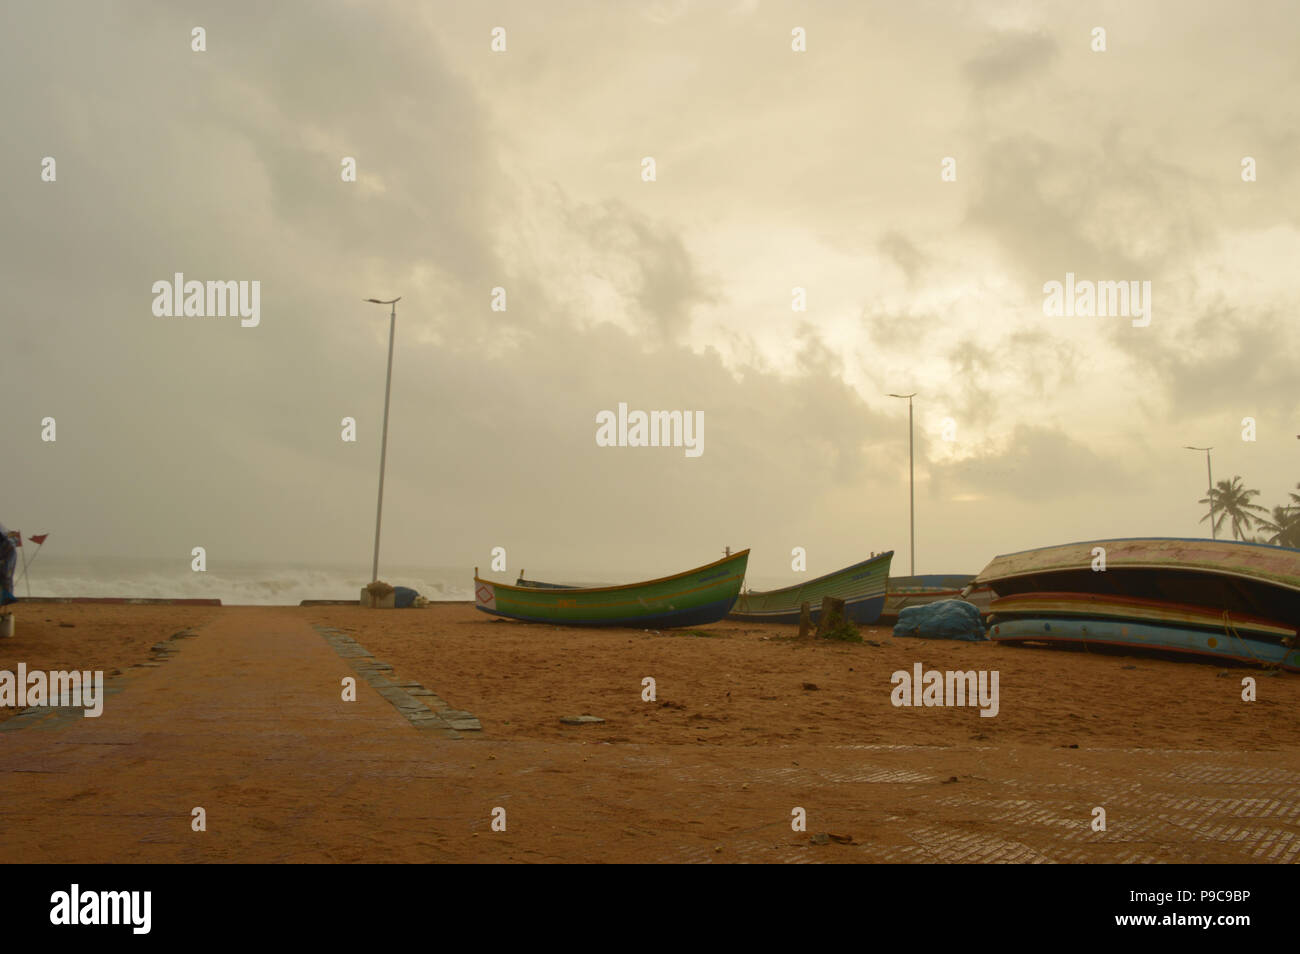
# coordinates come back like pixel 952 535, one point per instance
pixel 538 585
pixel 1095 606
pixel 1252 579
pixel 861 586
pixel 1212 598
pixel 905 591
pixel 1126 634
pixel 702 595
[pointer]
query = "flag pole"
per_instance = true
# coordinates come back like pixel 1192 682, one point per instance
pixel 27 563
pixel 24 552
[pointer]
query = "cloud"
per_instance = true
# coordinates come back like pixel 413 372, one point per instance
pixel 635 267
pixel 1036 464
pixel 902 252
pixel 1242 363
pixel 1103 210
pixel 1010 58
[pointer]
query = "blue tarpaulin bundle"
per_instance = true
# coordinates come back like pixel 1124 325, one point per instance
pixel 404 597
pixel 943 619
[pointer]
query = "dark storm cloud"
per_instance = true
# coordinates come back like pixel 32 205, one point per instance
pixel 902 252
pixel 1038 463
pixel 1010 58
pixel 1245 361
pixel 1097 209
pixel 655 271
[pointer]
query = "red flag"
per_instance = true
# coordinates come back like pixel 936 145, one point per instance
pixel 37 538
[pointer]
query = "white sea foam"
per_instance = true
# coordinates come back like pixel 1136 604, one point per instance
pixel 239 585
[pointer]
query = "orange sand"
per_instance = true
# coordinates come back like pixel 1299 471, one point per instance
pixel 103 636
pixel 246 721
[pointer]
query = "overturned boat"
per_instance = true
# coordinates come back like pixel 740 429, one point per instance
pixel 1100 632
pixel 1208 598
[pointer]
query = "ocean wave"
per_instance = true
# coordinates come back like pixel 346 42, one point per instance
pixel 260 587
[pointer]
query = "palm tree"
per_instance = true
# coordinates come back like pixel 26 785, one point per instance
pixel 1230 500
pixel 1284 527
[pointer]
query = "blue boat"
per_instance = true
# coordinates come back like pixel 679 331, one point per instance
pixel 905 591
pixel 1127 634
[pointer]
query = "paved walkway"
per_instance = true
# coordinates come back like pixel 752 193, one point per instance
pixel 246 721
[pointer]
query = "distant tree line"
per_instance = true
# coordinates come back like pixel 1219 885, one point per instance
pixel 1232 502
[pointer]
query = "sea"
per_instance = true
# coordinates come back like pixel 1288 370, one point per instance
pixel 250 584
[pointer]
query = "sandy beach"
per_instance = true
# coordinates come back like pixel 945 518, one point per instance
pixel 245 720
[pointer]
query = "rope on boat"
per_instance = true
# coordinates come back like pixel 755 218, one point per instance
pixel 1231 631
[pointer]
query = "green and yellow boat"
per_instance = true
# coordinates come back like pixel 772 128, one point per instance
pixel 702 595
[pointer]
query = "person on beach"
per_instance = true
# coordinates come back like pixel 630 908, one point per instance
pixel 8 560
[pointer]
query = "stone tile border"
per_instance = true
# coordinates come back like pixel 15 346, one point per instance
pixel 131 600
pixel 422 707
pixel 60 717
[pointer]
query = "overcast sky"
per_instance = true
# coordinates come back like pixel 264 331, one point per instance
pixel 775 169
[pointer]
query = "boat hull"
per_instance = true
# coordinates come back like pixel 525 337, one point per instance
pixel 1145 636
pixel 905 591
pixel 865 612
pixel 1094 606
pixel 693 598
pixel 1242 578
pixel 861 586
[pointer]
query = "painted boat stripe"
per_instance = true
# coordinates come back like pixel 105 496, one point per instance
pixel 639 601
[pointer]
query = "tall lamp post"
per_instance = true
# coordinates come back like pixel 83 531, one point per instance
pixel 383 446
pixel 911 480
pixel 1210 477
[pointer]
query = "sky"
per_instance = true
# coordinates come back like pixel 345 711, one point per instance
pixel 775 169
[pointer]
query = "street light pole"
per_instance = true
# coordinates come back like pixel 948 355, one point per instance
pixel 383 445
pixel 911 480
pixel 1210 493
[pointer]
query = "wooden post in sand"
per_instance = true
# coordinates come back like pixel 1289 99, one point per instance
pixel 832 615
pixel 805 620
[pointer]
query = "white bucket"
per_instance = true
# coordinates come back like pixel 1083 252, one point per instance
pixel 7 626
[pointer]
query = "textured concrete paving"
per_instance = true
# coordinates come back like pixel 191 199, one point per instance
pixel 246 720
